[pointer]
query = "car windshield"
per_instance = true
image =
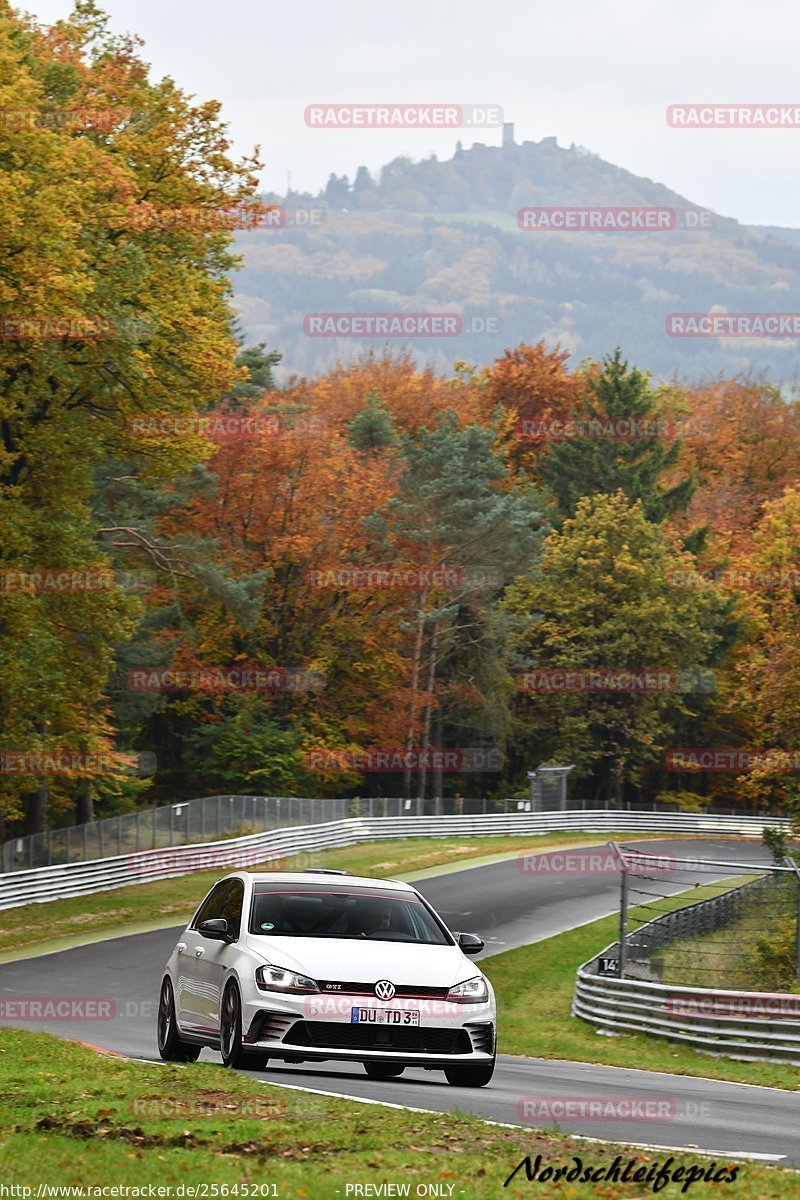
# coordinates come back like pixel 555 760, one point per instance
pixel 381 916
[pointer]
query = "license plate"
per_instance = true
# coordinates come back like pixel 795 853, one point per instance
pixel 385 1016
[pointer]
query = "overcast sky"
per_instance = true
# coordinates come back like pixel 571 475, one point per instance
pixel 600 75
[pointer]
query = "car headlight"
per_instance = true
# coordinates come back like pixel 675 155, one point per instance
pixel 472 991
pixel 277 979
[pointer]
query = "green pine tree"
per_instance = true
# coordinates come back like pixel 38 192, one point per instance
pixel 372 429
pixel 602 459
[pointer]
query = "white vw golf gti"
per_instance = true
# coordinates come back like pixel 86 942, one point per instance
pixel 316 965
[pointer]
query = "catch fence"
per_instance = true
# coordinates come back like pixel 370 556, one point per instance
pixel 698 970
pixel 210 818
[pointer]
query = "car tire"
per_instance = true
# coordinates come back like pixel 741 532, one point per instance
pixel 170 1046
pixel 230 1029
pixel 378 1070
pixel 466 1076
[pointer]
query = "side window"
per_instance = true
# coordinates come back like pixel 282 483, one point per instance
pixel 232 908
pixel 214 903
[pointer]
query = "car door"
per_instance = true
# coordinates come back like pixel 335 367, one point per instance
pixel 214 962
pixel 194 1001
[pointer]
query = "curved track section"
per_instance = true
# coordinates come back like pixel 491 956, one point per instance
pixel 508 908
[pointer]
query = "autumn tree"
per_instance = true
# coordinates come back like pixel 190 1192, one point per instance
pixel 455 511
pixel 605 599
pixel 144 328
pixel 741 442
pixel 533 388
pixel 767 668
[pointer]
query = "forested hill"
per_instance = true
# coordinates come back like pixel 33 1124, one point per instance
pixel 444 236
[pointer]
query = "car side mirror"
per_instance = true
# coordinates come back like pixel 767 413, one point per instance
pixel 470 943
pixel 216 930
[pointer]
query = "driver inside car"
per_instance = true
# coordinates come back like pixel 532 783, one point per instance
pixel 373 917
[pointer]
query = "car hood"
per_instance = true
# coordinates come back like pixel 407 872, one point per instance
pixel 357 961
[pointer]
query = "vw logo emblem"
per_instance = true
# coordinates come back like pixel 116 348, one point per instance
pixel 384 990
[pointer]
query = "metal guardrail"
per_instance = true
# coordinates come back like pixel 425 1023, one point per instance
pixel 746 1025
pixel 210 818
pixel 83 878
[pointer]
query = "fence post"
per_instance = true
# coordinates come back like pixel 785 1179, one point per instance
pixel 790 862
pixel 623 910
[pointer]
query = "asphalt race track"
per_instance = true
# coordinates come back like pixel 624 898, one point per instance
pixel 507 908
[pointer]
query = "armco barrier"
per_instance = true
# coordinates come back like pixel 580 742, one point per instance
pixel 750 1025
pixel 83 878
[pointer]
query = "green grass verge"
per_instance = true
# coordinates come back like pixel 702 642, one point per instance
pixel 756 953
pixel 73 1117
pixel 58 923
pixel 535 985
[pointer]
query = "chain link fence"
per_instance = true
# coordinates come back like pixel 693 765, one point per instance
pixel 708 956
pixel 742 930
pixel 214 817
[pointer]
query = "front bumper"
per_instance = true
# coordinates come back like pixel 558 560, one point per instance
pixel 321 1028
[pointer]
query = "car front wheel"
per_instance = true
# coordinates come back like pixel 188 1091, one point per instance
pixel 466 1076
pixel 230 1041
pixel 170 1046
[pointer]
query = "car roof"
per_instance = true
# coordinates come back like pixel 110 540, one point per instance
pixel 332 882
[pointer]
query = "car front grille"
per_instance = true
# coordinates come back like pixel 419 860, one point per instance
pixel 334 986
pixel 336 1035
